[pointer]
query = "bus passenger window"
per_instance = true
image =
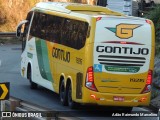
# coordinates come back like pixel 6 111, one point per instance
pixel 64 31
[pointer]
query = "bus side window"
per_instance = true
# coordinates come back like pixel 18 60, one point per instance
pixel 83 34
pixel 57 29
pixel 42 26
pixel 79 34
pixel 38 28
pixel 34 26
pixel 52 28
pixel 26 28
pixel 64 31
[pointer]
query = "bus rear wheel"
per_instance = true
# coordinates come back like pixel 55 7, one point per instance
pixel 71 103
pixel 32 84
pixel 62 93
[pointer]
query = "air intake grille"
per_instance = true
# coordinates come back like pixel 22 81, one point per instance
pixel 110 60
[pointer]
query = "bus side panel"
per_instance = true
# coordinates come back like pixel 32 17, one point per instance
pixel 37 55
pixel 69 64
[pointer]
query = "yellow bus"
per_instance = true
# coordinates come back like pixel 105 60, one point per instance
pixel 88 54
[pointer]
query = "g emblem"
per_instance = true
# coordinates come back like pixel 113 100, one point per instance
pixel 124 31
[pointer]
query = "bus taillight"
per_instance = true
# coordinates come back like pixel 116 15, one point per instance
pixel 98 18
pixel 148 82
pixel 90 79
pixel 148 21
pixel 149 77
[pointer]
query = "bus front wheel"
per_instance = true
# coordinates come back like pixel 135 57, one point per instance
pixel 32 84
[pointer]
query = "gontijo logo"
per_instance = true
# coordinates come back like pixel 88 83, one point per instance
pixel 124 31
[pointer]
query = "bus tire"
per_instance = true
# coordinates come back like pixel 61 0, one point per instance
pixel 71 103
pixel 32 84
pixel 62 93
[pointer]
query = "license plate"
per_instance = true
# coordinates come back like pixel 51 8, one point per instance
pixel 118 98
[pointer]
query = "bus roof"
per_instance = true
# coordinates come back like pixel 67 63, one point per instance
pixel 75 7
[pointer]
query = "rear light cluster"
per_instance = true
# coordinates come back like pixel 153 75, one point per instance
pixel 148 21
pixel 98 18
pixel 148 82
pixel 90 79
pixel 143 99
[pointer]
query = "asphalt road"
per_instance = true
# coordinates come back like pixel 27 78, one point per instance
pixel 19 88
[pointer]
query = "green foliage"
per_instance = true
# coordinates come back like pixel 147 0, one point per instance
pixel 154 94
pixel 155 74
pixel 154 15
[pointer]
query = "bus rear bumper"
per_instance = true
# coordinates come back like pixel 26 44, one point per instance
pixel 108 99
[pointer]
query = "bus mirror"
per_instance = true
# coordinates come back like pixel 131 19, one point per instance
pixel 19 28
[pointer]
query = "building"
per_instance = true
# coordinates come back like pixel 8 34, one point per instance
pixel 128 7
